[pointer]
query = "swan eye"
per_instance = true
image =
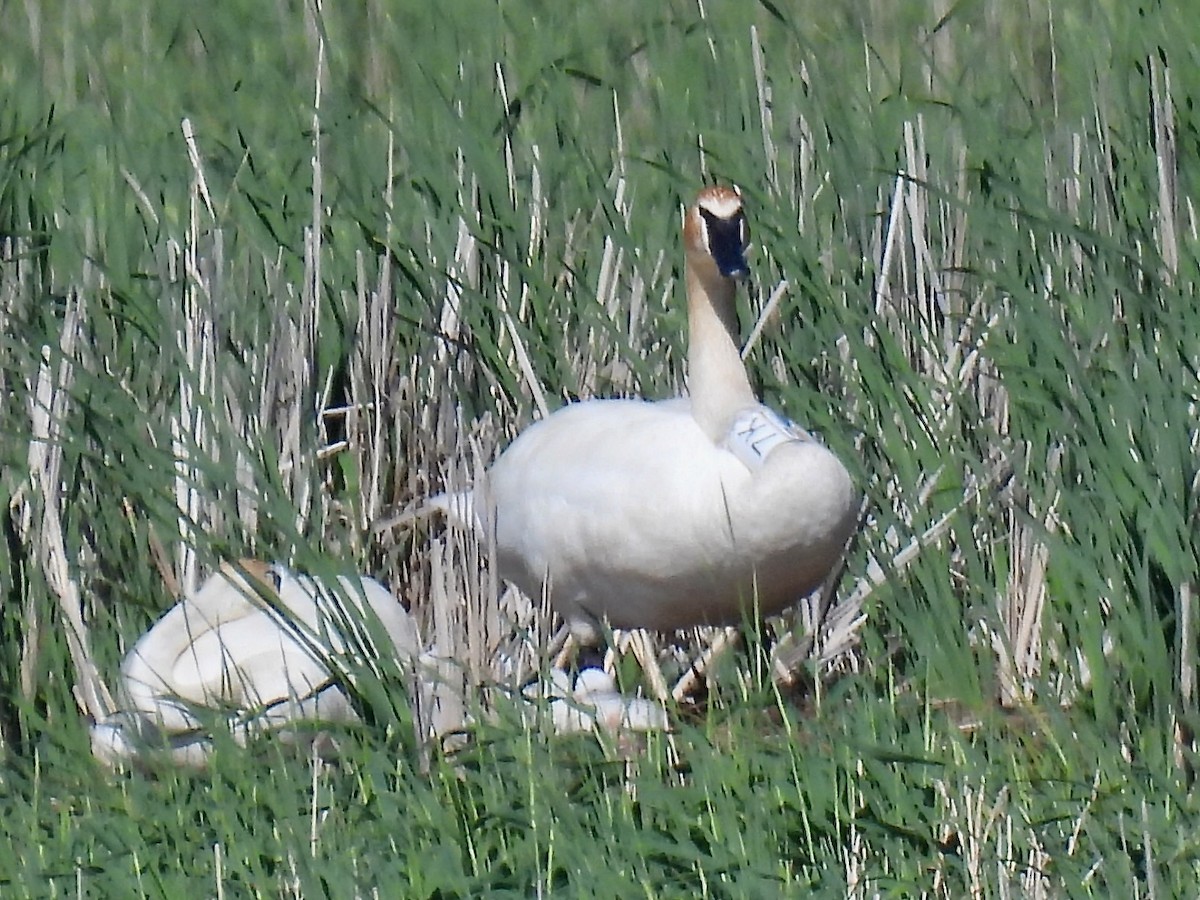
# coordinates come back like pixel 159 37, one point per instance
pixel 727 239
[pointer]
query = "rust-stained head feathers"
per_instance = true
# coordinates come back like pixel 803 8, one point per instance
pixel 715 230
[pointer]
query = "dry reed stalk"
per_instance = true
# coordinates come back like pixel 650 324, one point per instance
pixel 1166 155
pixel 982 825
pixel 763 88
pixel 195 337
pixel 49 399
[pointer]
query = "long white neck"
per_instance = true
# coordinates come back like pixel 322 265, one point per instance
pixel 717 380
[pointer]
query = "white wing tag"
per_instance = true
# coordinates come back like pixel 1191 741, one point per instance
pixel 757 431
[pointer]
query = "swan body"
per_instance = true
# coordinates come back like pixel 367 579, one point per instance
pixel 691 511
pixel 628 511
pixel 257 646
pixel 258 643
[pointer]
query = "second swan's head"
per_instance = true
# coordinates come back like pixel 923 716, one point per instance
pixel 715 233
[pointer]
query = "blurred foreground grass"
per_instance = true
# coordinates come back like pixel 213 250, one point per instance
pixel 281 264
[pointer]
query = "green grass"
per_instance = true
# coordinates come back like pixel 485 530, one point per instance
pixel 380 209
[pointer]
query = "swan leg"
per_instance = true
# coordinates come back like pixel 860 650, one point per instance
pixel 580 634
pixel 563 649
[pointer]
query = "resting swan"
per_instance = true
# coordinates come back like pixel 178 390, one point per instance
pixel 255 643
pixel 664 515
pixel 256 646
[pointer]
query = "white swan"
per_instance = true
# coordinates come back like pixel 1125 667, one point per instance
pixel 665 515
pixel 256 646
pixel 256 643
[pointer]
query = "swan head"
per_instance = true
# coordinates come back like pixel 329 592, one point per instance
pixel 715 233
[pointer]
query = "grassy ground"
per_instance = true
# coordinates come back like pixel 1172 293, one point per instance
pixel 271 273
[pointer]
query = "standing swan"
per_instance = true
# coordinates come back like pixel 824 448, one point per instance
pixel 665 515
